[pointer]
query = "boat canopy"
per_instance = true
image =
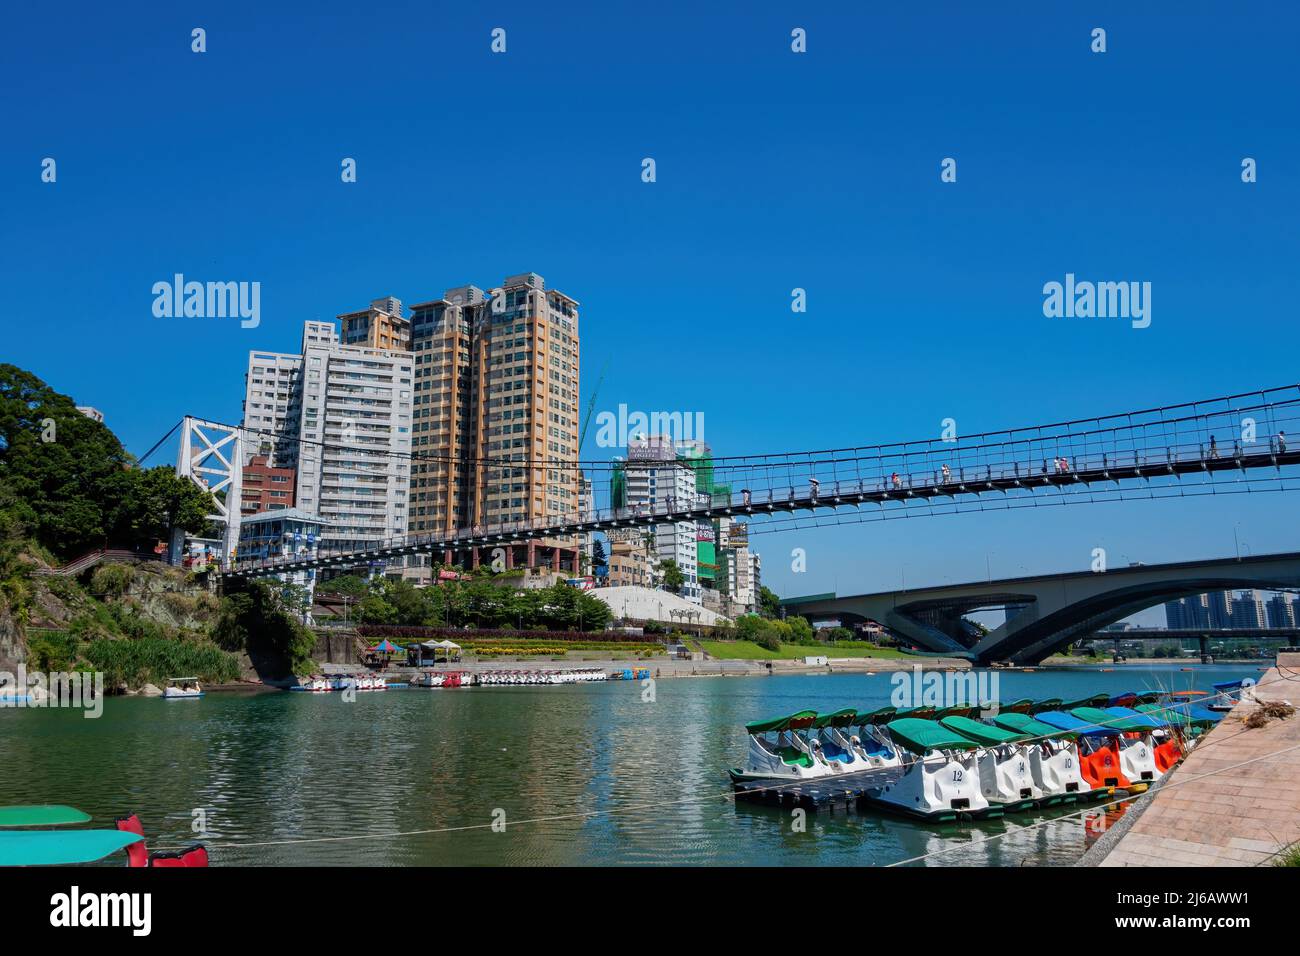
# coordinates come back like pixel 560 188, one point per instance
pixel 922 736
pixel 1148 697
pixel 1140 720
pixel 1094 700
pixel 1122 723
pixel 1063 721
pixel 841 718
pixel 1186 713
pixel 1050 703
pixel 957 710
pixel 882 716
pixel 982 733
pixel 1024 724
pixel 1126 699
pixel 1231 684
pixel 41 815
pixel 61 847
pixel 797 721
pixel 1022 706
pixel 925 712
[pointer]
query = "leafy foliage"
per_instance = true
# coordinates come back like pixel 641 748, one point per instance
pixel 67 482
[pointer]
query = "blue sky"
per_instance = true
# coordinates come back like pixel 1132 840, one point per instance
pixel 775 171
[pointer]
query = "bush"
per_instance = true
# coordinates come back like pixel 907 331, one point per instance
pixel 111 580
pixel 149 660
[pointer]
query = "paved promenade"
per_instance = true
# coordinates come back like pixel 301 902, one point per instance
pixel 1240 817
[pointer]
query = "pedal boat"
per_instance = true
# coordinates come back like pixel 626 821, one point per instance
pixel 1054 761
pixel 1099 761
pixel 778 752
pixel 1133 736
pixel 182 688
pixel 843 753
pixel 872 742
pixel 1006 779
pixel 23 845
pixel 941 779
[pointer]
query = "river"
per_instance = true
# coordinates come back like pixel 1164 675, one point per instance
pixel 280 777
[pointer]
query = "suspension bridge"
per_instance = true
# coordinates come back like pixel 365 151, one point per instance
pixel 1223 445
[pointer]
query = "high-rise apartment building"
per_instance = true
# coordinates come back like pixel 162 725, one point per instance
pixel 653 476
pixel 1281 611
pixel 380 327
pixel 496 411
pixel 1248 610
pixel 340 417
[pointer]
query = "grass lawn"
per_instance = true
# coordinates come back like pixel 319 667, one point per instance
pixel 749 651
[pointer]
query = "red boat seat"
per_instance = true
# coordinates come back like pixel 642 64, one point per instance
pixel 195 856
pixel 136 853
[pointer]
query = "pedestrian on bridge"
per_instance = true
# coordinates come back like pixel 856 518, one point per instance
pixel 1214 448
pixel 1281 443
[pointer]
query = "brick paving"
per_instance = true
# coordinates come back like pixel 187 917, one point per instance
pixel 1240 817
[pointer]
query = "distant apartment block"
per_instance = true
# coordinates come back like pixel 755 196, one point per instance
pixel 653 477
pixel 381 326
pixel 94 414
pixel 266 488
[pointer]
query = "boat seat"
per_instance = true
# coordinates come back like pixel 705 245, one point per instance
pixel 834 751
pixel 794 757
pixel 874 748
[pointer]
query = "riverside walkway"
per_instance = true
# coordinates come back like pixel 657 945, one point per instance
pixel 1240 817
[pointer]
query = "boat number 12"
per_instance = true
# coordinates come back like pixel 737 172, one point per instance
pixel 956 776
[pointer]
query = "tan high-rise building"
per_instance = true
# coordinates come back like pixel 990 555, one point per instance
pixel 496 416
pixel 379 327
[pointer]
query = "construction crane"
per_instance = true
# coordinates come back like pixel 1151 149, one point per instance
pixel 591 407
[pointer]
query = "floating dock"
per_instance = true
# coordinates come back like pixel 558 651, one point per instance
pixel 824 794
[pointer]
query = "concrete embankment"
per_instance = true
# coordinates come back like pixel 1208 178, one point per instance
pixel 710 668
pixel 1235 800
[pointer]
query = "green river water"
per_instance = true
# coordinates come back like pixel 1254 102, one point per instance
pixel 280 776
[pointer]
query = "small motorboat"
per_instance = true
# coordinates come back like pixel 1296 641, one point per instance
pixel 182 688
pixel 315 684
pixel 1133 740
pixel 1098 752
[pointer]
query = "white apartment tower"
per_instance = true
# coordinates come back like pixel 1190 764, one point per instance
pixel 655 478
pixel 340 415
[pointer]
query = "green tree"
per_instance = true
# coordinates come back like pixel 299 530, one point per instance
pixel 769 605
pixel 673 579
pixel 67 482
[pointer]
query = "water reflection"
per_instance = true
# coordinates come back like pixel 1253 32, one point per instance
pixel 609 777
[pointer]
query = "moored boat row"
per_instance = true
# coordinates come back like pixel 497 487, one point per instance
pixel 433 678
pixel 947 764
pixel 323 684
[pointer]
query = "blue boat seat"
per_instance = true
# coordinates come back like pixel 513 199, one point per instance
pixel 874 748
pixel 834 751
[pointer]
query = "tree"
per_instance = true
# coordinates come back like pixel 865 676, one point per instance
pixel 599 560
pixel 673 579
pixel 69 483
pixel 769 604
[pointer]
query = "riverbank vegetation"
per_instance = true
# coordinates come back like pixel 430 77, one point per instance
pixel 475 601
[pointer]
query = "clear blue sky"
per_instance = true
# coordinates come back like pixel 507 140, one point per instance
pixel 775 170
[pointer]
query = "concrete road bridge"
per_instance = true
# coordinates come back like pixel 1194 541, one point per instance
pixel 1045 612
